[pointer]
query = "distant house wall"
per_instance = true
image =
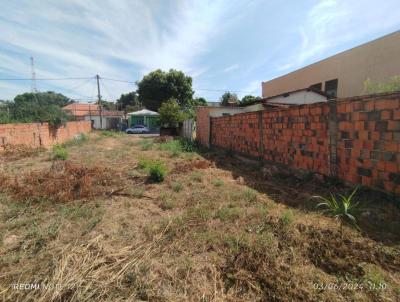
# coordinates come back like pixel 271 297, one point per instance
pixel 107 122
pixel 40 134
pixel 299 98
pixel 378 60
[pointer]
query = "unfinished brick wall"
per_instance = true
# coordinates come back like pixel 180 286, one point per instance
pixel 356 139
pixel 239 133
pixel 41 134
pixel 369 141
pixel 203 125
pixel 298 137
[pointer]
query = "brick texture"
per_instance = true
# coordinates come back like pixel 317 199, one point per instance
pixel 40 134
pixel 359 142
pixel 203 125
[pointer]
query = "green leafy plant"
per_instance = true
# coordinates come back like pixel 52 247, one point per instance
pixel 157 172
pixel 59 153
pixel 287 217
pixel 342 207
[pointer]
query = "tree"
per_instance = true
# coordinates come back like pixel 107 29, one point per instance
pixel 392 85
pixel 38 107
pixel 249 99
pixel 171 113
pixel 228 99
pixel 159 86
pixel 129 102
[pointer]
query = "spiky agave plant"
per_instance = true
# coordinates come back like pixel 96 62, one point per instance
pixel 342 207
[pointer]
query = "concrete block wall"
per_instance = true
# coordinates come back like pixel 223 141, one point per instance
pixel 355 139
pixel 40 134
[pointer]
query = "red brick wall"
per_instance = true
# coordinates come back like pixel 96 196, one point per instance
pixel 298 137
pixel 203 125
pixel 360 143
pixel 369 142
pixel 40 135
pixel 239 133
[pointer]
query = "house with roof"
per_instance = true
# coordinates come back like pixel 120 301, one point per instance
pixel 144 117
pixel 100 118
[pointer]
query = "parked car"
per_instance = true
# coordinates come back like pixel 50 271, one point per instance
pixel 137 129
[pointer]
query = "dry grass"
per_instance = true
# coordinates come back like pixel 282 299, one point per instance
pixel 64 181
pixel 214 230
pixel 16 152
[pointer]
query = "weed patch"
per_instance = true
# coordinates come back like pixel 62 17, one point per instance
pixel 59 153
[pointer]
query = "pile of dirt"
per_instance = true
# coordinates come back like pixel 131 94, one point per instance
pixel 187 166
pixel 15 152
pixel 63 182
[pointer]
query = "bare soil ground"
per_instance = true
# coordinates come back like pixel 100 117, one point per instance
pixel 93 228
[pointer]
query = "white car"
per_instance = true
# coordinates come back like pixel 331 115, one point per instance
pixel 137 129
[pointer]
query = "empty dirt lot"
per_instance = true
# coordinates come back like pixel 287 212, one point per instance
pixel 94 228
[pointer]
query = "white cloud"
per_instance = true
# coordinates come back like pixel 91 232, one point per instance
pixel 82 38
pixel 231 68
pixel 332 23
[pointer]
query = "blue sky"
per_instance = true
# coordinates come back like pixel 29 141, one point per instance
pixel 223 45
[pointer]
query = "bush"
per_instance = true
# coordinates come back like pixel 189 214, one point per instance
pixel 59 152
pixel 156 170
pixel 217 182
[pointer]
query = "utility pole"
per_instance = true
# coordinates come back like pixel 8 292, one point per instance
pixel 33 80
pixel 99 101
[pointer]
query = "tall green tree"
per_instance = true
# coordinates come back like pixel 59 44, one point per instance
pixel 129 102
pixel 38 107
pixel 249 99
pixel 229 99
pixel 159 86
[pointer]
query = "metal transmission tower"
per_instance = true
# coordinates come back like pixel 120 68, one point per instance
pixel 33 81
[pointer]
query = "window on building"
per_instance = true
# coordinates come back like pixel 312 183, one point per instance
pixel 317 86
pixel 331 88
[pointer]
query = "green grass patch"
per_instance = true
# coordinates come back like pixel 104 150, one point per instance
pixel 217 182
pixel 229 213
pixel 156 169
pixel 287 217
pixel 146 144
pixel 196 176
pixel 178 146
pixel 59 153
pixel 108 133
pixel 176 186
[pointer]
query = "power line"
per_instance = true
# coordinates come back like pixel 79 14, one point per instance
pixel 46 79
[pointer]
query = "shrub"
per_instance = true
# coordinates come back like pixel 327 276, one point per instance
pixel 157 172
pixel 177 146
pixel 59 152
pixel 287 217
pixel 341 208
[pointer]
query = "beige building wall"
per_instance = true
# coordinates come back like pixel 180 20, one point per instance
pixel 378 60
